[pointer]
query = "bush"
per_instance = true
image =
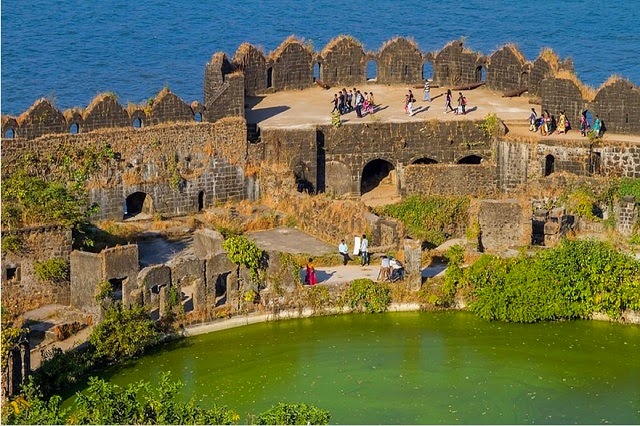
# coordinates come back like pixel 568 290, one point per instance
pixel 54 270
pixel 432 219
pixel 123 333
pixel 31 408
pixel 365 294
pixel 573 280
pixel 293 414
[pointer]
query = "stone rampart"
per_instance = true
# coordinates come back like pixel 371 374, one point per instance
pixel 450 179
pixel 343 62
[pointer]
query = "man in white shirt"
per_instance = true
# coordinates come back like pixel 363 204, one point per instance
pixel 364 251
pixel 343 249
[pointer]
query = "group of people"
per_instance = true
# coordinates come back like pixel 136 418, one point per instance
pixel 363 251
pixel 391 269
pixel 547 123
pixel 462 103
pixel 346 101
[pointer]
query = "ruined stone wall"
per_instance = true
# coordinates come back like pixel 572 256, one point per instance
pixel 177 165
pixel 343 62
pixel 297 148
pixel 626 212
pixel 21 288
pixel 504 224
pixel 450 179
pixel 454 65
pixel 399 62
pixel 505 70
pixel 618 105
pixel 562 95
pixel 252 62
pixel 292 66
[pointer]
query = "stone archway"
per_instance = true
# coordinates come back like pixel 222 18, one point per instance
pixel 549 164
pixel 138 203
pixel 470 159
pixel 378 173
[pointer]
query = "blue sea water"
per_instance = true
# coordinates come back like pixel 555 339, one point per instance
pixel 69 51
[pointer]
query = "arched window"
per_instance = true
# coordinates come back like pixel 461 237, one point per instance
pixel 74 129
pixel 198 117
pixel 10 133
pixel 200 201
pixel 137 123
pixel 470 159
pixel 269 77
pixel 372 70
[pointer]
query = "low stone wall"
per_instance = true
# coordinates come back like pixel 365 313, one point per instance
pixel 450 179
pixel 21 289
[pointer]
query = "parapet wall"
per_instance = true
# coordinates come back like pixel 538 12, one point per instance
pixel 344 62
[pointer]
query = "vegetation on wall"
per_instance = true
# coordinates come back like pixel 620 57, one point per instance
pixel 432 219
pixel 54 270
pixel 369 296
pixel 574 280
pixel 243 251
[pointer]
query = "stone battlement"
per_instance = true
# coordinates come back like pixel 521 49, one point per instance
pixel 343 61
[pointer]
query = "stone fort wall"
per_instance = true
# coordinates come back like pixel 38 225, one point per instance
pixel 175 168
pixel 343 61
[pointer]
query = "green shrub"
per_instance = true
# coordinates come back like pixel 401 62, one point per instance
pixel 60 369
pixel 32 408
pixel 365 294
pixel 243 251
pixel 432 219
pixel 12 243
pixel 293 414
pixel 123 333
pixel 54 270
pixel 573 280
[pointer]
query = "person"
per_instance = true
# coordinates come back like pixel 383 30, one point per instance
pixel 410 100
pixel 447 105
pixel 545 127
pixel 562 124
pixel 335 103
pixel 343 249
pixel 364 251
pixel 342 102
pixel 462 104
pixel 350 100
pixel 359 102
pixel 397 269
pixel 365 102
pixel 371 104
pixel 584 123
pixel 310 275
pixel 427 91
pixel 385 269
pixel 533 120
pixel 597 127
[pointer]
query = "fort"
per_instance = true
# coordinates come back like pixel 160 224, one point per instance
pixel 261 111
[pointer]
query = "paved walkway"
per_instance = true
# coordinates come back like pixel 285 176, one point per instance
pixel 310 107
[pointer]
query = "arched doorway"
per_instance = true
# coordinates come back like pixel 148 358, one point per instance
pixel 137 203
pixel 200 201
pixel 378 174
pixel 470 159
pixel 549 164
pixel 425 160
pixel 480 74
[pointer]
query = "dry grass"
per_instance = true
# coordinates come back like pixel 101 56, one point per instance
pixel 551 58
pixel 292 39
pixel 394 40
pixel 340 39
pixel 513 49
pixel 245 49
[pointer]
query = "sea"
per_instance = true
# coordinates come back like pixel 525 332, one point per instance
pixel 70 51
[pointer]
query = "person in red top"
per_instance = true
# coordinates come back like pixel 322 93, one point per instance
pixel 310 273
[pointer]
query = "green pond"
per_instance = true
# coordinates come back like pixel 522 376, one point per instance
pixel 412 368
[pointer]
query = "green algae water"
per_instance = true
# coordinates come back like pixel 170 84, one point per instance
pixel 412 368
